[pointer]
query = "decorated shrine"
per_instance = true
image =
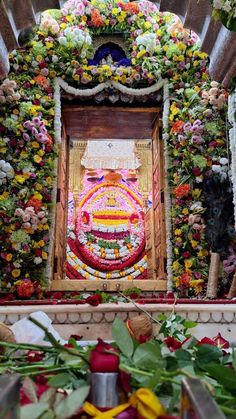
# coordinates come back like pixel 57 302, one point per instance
pixel 117 209
pixel 133 56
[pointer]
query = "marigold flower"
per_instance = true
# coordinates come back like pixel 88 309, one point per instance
pixel 177 127
pixel 96 18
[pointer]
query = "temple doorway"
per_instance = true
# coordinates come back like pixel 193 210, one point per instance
pixel 110 223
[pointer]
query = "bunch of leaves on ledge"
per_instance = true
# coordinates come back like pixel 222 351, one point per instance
pixel 160 364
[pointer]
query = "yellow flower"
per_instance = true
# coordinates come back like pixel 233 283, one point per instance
pixel 41 153
pixel 176 266
pixel 194 243
pixel 38 187
pixel 49 45
pixel 178 232
pixel 35 144
pixel 38 196
pixel 41 243
pixel 9 257
pixel 44 255
pixel 185 211
pixel 147 25
pixel 20 179
pixel 76 77
pixel 69 18
pixel 141 53
pixel 15 273
pixel 181 46
pixel 197 284
pixel 4 195
pixel 188 263
pixel 37 158
pixel 202 253
pixel 196 193
pixel 63 25
pixel 52 74
pixel 115 11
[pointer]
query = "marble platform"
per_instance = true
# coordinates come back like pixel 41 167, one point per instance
pixel 93 322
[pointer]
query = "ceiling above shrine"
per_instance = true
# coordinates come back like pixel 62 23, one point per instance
pixel 20 15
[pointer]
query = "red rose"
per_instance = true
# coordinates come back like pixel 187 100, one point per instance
pixel 207 341
pixel 196 171
pixel 186 254
pixel 172 343
pixel 101 358
pixel 94 300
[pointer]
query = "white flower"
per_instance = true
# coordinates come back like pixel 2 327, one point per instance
pixel 224 161
pixel 38 260
pixel 218 4
pixel 216 168
pixel 227 6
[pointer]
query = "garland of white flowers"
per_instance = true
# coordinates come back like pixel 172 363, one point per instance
pixel 165 136
pixel 232 141
pixel 94 274
pixel 60 83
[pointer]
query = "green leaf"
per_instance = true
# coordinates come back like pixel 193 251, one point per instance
pixel 184 357
pixel 224 375
pixel 148 356
pixel 33 410
pixel 122 337
pixel 207 353
pixel 188 324
pixel 60 380
pixel 72 403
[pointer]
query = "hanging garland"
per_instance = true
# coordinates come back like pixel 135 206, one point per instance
pixel 61 54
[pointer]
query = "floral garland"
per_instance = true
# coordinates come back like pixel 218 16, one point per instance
pixel 61 47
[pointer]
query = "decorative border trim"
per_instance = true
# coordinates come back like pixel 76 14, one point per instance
pixel 106 313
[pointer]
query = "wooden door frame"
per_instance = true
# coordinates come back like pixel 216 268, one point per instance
pixel 108 285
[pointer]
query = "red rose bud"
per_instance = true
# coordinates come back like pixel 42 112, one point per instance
pixel 172 343
pixel 101 358
pixel 221 342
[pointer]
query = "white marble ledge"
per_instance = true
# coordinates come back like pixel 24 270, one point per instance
pixel 105 313
pixel 119 307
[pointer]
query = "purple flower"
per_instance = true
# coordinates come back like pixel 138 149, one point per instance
pixel 28 125
pixel 187 127
pixel 26 136
pixel 36 120
pixel 196 139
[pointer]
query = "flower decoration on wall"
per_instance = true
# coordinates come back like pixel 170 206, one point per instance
pixel 194 130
